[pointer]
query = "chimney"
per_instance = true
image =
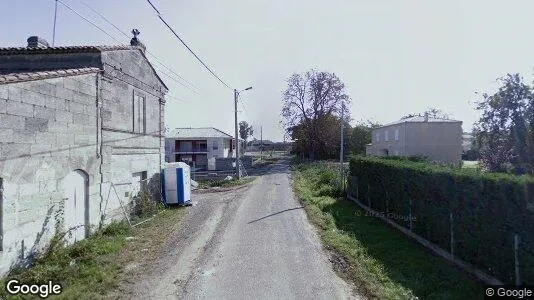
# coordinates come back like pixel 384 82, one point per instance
pixel 135 41
pixel 37 42
pixel 426 116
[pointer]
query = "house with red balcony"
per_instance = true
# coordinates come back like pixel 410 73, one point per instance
pixel 199 147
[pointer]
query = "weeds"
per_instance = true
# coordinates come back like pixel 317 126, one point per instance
pixel 381 262
pixel 145 204
pixel 205 184
pixel 83 268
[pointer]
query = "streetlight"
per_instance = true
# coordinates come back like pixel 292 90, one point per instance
pixel 237 167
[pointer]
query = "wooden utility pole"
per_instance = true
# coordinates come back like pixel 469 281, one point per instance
pixel 341 151
pixel 237 168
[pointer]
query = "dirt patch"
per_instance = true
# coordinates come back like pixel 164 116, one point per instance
pixel 142 247
pixel 166 259
pixel 220 189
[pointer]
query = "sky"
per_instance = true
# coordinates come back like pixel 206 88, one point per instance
pixel 395 57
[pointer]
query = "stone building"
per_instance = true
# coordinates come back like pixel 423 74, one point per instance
pixel 81 128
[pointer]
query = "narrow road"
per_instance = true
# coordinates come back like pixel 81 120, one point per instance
pixel 254 243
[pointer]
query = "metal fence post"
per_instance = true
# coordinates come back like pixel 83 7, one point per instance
pixel 387 202
pixel 357 185
pixel 451 229
pixel 410 215
pixel 516 260
pixel 368 195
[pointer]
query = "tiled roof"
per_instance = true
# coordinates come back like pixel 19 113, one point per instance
pixel 421 119
pixel 62 49
pixel 18 77
pixel 202 132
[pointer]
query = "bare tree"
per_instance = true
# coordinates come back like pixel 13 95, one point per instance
pixel 309 100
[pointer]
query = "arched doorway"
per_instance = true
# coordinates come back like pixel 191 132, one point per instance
pixel 76 213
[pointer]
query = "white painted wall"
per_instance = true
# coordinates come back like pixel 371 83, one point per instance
pixel 221 151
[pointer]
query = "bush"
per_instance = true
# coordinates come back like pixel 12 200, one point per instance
pixel 488 209
pixel 145 204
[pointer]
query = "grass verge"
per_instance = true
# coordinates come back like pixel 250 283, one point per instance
pixel 91 268
pixel 381 261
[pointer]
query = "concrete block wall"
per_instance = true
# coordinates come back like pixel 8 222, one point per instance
pixel 126 152
pixel 47 129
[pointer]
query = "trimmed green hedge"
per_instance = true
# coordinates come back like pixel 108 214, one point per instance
pixel 486 209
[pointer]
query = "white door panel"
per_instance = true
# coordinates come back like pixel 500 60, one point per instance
pixel 75 187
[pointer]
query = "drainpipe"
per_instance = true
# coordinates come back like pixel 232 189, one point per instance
pixel 99 142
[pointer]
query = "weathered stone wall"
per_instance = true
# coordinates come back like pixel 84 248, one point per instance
pixel 47 130
pixel 126 152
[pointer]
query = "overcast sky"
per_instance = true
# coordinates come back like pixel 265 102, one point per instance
pixel 395 57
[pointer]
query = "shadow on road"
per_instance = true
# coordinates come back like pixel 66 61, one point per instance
pixel 275 214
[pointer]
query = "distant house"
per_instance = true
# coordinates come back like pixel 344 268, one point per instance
pixel 438 139
pixel 80 132
pixel 201 146
pixel 258 145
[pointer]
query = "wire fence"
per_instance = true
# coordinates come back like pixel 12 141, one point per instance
pixel 450 234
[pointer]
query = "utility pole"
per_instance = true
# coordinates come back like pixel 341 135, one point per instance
pixel 237 168
pixel 341 151
pixel 54 30
pixel 261 139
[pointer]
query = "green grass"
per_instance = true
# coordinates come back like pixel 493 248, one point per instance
pixel 84 268
pixel 382 262
pixel 205 184
pixel 93 267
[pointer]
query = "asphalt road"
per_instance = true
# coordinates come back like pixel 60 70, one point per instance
pixel 251 243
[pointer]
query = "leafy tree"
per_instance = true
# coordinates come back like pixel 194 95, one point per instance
pixel 329 137
pixel 432 112
pixel 360 136
pixel 504 135
pixel 245 130
pixel 310 104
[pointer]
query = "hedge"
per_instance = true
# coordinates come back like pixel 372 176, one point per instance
pixel 482 211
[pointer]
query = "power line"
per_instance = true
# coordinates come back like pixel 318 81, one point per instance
pixel 89 21
pixel 104 18
pixel 175 98
pixel 180 39
pixel 92 23
pixel 159 71
pixel 244 109
pixel 191 86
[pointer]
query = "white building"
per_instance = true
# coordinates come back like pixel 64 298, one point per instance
pixel 201 146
